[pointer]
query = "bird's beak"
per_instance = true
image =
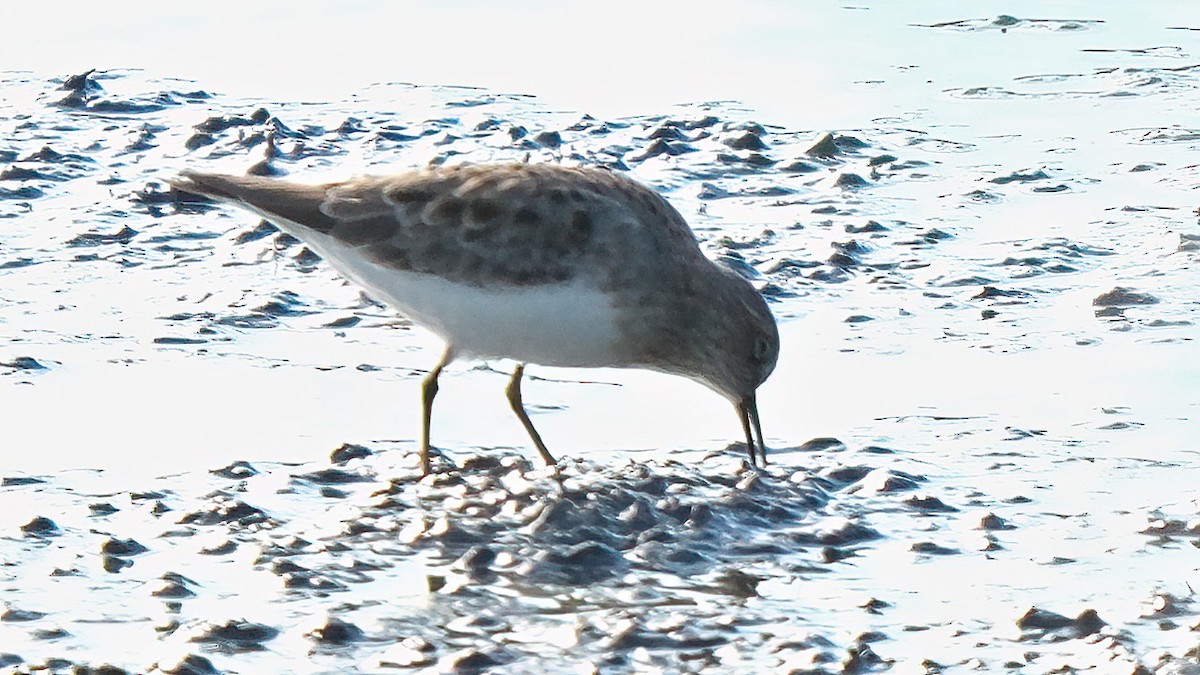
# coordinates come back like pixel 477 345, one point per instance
pixel 747 410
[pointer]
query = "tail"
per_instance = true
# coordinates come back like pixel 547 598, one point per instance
pixel 221 187
pixel 294 206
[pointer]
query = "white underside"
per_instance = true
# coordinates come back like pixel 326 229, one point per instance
pixel 568 325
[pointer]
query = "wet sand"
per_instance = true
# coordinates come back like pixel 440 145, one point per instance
pixel 983 426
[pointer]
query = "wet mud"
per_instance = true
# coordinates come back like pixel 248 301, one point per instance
pixel 1009 327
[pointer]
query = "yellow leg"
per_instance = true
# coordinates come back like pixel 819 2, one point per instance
pixel 514 399
pixel 429 389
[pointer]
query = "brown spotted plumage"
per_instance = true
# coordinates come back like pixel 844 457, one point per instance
pixel 536 263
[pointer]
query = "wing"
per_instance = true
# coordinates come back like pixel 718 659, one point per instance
pixel 514 224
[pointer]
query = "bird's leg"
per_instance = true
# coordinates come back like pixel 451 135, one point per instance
pixel 429 389
pixel 514 399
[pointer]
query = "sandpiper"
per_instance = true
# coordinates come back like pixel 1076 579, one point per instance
pixel 544 264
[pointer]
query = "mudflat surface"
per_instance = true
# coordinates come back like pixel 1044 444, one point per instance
pixel 983 425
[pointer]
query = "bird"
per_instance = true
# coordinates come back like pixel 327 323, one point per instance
pixel 536 263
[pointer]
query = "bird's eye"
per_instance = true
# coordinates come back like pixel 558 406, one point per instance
pixel 762 349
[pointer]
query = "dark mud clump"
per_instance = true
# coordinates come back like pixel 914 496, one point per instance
pixel 1124 297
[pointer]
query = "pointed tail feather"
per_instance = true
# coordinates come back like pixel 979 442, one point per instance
pixel 293 206
pixel 212 185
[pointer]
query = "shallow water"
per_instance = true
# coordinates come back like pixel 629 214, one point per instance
pixel 985 271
